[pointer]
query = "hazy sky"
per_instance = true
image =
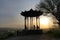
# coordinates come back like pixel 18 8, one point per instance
pixel 10 9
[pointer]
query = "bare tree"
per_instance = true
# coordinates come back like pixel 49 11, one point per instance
pixel 52 6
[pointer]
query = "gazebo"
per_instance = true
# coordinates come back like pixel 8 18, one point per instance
pixel 30 14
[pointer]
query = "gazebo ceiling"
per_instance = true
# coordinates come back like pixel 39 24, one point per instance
pixel 31 13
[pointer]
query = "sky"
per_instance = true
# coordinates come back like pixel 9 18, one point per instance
pixel 10 12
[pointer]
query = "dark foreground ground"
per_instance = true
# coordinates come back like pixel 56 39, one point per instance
pixel 33 37
pixel 29 35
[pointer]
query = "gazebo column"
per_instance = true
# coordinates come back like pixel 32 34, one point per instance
pixel 25 24
pixel 31 22
pixel 37 21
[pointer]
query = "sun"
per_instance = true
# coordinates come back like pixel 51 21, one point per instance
pixel 44 20
pixel 48 21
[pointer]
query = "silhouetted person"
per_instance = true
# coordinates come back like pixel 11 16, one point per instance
pixel 37 27
pixel 34 27
pixel 26 27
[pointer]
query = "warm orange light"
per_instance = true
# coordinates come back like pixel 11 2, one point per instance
pixel 44 20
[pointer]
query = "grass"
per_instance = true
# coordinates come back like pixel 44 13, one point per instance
pixel 7 34
pixel 53 33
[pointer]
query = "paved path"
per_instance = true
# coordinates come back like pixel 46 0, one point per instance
pixel 33 37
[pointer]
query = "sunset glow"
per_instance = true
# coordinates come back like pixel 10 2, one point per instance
pixel 44 20
pixel 48 21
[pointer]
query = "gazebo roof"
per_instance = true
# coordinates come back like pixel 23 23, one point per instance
pixel 31 13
